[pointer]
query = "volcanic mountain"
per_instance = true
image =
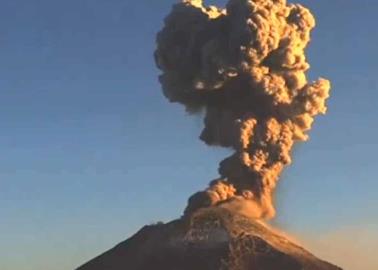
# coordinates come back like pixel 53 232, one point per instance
pixel 210 239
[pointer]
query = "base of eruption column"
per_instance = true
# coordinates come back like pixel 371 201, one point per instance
pixel 209 239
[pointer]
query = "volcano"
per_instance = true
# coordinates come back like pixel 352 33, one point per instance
pixel 210 239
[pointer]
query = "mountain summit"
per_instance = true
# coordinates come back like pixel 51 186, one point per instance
pixel 210 239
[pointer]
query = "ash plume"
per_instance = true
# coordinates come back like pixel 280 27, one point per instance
pixel 245 66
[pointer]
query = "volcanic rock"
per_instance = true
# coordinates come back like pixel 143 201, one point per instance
pixel 210 239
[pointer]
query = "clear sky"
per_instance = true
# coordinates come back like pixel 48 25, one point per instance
pixel 91 150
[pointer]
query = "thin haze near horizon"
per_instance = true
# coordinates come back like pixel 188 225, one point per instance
pixel 92 151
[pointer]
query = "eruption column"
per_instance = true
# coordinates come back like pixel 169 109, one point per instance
pixel 245 66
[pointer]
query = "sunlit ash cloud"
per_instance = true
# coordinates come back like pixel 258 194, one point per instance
pixel 245 67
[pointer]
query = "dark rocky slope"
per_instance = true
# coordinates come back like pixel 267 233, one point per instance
pixel 212 239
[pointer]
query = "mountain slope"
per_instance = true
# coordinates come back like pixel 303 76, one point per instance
pixel 211 239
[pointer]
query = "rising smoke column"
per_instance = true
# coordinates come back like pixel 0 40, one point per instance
pixel 244 66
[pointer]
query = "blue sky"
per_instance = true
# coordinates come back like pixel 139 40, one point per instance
pixel 91 150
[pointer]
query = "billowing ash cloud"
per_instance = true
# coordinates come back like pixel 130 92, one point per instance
pixel 245 66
